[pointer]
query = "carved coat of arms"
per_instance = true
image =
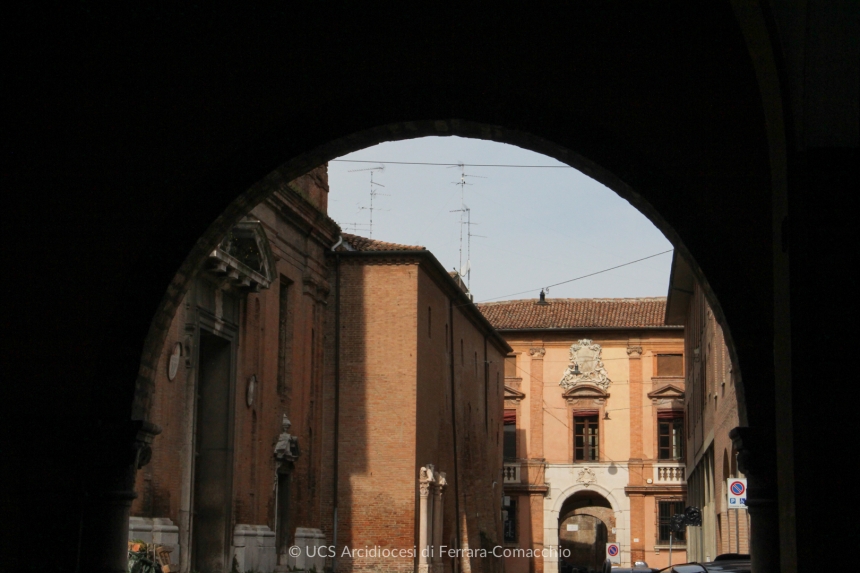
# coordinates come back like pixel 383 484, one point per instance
pixel 586 477
pixel 585 366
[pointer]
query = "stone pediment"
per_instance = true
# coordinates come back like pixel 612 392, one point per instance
pixel 667 392
pixel 515 383
pixel 243 258
pixel 513 394
pixel 586 392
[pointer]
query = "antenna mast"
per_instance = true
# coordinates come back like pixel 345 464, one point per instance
pixel 373 193
pixel 465 221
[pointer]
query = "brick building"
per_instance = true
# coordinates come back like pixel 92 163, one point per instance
pixel 239 379
pixel 593 414
pixel 261 400
pixel 711 406
pixel 419 387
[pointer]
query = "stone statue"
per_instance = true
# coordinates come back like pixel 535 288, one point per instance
pixel 287 448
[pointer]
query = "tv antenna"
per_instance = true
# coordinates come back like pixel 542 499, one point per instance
pixel 373 194
pixel 465 222
pixel 354 227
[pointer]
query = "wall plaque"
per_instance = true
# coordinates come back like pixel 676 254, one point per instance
pixel 173 363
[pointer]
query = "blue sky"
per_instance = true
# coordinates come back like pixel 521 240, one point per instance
pixel 539 226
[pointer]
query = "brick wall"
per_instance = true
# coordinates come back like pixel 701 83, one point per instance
pixel 164 486
pixel 397 413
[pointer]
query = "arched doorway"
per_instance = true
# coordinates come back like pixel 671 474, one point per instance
pixel 586 523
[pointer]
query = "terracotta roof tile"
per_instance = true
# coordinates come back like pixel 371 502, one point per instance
pixel 564 313
pixel 365 244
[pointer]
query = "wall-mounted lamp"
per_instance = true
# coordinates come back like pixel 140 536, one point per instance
pixel 576 371
pixel 606 415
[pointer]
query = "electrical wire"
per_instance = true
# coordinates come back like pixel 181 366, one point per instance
pixel 454 164
pixel 580 277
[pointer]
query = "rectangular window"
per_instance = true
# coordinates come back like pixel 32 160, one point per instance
pixel 510 443
pixel 285 347
pixel 585 438
pixel 509 512
pixel 670 365
pixel 665 510
pixel 670 435
pixel 511 366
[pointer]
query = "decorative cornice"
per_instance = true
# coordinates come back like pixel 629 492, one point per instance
pixel 525 488
pixel 656 489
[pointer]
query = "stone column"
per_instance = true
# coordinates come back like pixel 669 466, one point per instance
pixel 637 454
pixel 536 512
pixel 438 565
pixel 634 354
pixel 118 451
pixel 535 452
pixel 424 482
pixel 535 447
pixel 757 461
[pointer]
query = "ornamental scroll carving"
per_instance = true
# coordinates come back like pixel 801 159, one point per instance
pixel 586 366
pixel 586 477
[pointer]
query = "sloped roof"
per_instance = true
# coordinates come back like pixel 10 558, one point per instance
pixel 363 244
pixel 564 313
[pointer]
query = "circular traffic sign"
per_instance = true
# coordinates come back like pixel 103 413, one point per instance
pixel 612 550
pixel 737 487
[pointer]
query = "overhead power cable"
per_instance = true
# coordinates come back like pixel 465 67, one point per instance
pixel 581 277
pixel 453 164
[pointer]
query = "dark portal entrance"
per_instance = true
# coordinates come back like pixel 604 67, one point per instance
pixel 585 526
pixel 213 476
pixel 585 536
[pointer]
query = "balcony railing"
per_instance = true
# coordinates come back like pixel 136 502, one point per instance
pixel 511 472
pixel 670 473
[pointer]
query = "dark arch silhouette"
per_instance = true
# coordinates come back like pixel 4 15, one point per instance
pixel 733 125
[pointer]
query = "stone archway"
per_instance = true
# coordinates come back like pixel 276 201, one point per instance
pixel 586 522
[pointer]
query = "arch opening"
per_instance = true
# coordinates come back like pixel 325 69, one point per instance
pixel 601 527
pixel 586 523
pixel 303 164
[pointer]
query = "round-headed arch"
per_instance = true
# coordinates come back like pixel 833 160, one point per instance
pixel 294 167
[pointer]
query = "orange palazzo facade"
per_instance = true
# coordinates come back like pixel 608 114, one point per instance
pixel 594 417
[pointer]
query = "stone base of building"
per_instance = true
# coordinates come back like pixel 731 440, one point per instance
pixel 155 531
pixel 254 548
pixel 310 557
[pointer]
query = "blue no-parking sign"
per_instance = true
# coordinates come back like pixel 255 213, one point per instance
pixel 613 552
pixel 736 493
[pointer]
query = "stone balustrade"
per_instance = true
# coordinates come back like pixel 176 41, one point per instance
pixel 511 472
pixel 673 473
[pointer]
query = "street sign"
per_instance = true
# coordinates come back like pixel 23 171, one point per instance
pixel 613 553
pixel 736 493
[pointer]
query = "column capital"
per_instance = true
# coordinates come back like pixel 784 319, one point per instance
pixel 537 353
pixel 634 351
